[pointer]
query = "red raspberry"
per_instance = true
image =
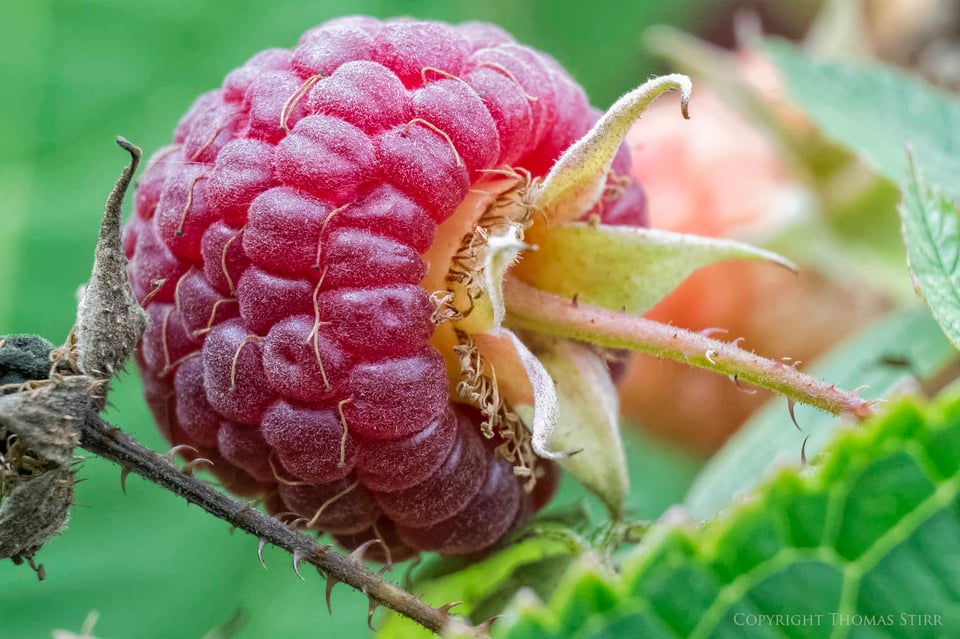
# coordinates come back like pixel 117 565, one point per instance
pixel 278 248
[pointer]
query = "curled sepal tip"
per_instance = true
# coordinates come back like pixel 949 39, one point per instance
pixel 576 181
pixel 109 318
pixel 546 408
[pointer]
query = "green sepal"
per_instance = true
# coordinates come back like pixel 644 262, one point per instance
pixel 589 419
pixel 624 267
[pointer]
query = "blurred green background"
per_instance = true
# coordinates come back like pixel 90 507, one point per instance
pixel 77 73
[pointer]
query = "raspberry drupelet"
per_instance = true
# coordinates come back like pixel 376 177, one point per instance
pixel 279 245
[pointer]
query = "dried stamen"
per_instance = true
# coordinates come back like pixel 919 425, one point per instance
pixel 314 335
pixel 295 97
pixel 236 359
pixel 163 339
pixel 223 260
pixel 439 131
pixel 213 136
pixel 173 365
pixel 479 388
pixel 213 315
pixel 323 229
pixel 342 493
pixel 444 309
pixel 176 290
pixel 346 431
pixel 157 285
pixel 507 72
pixel 187 205
pixel 282 480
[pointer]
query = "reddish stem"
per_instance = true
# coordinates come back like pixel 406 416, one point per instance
pixel 534 309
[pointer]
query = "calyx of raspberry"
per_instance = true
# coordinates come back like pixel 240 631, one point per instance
pixel 540 231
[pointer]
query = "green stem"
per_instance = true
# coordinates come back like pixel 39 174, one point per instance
pixel 534 309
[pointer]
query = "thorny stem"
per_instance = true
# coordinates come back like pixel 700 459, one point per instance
pixel 104 440
pixel 532 308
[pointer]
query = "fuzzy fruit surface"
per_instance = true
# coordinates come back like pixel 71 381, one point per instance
pixel 278 246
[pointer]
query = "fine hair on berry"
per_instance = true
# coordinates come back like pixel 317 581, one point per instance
pixel 278 245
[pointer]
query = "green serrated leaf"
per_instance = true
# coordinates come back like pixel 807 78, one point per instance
pixel 875 111
pixel 541 576
pixel 894 351
pixel 929 225
pixel 586 588
pixel 860 545
pixel 623 267
pixel 472 585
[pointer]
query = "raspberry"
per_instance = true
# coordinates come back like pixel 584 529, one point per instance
pixel 278 246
